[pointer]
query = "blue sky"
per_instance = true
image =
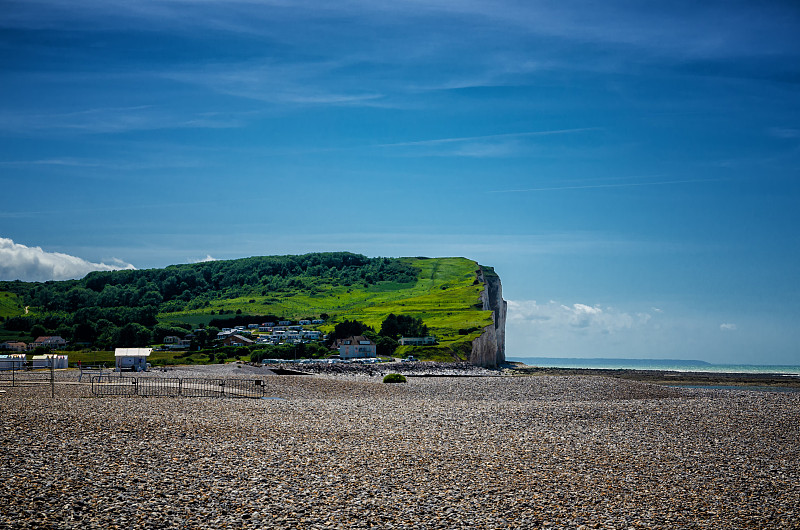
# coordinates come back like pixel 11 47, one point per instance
pixel 630 169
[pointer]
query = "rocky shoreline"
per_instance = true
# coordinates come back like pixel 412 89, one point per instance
pixel 347 451
pixel 667 377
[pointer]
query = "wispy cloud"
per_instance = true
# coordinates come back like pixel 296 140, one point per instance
pixel 788 133
pixel 728 327
pixel 490 145
pixel 298 82
pixel 105 120
pixel 460 139
pixel 608 185
pixel 20 262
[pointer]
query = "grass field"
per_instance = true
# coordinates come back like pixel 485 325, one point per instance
pixel 10 305
pixel 446 296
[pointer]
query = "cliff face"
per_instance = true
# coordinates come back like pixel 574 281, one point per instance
pixel 489 349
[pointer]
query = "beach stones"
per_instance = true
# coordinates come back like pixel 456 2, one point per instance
pixel 442 452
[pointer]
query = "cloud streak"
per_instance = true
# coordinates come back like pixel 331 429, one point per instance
pixel 114 120
pixel 609 185
pixel 32 264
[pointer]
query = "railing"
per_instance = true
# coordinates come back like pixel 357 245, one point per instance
pixel 92 369
pixel 177 387
pixel 24 373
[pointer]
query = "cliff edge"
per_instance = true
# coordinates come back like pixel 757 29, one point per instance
pixel 489 350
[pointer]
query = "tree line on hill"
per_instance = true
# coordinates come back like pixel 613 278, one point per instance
pixel 119 308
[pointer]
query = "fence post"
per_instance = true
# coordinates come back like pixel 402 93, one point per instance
pixel 52 378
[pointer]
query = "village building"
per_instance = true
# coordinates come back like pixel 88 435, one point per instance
pixel 237 340
pixel 13 346
pixel 53 342
pixel 358 347
pixel 417 341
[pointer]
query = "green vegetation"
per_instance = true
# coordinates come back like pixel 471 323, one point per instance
pixel 141 307
pixel 10 305
pixel 394 378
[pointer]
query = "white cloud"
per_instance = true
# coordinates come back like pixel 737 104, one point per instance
pixel 554 317
pixel 728 327
pixel 207 258
pixel 555 329
pixel 19 262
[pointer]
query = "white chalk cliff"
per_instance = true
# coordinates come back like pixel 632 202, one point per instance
pixel 489 349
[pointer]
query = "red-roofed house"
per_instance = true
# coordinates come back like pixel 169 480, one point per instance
pixel 53 342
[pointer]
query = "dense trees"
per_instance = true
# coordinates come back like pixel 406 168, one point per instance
pixel 100 307
pixel 348 328
pixel 171 288
pixel 396 326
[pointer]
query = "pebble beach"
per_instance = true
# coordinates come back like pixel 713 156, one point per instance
pixel 348 451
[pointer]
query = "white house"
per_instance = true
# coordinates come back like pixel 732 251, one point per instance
pixel 417 341
pixel 181 344
pixel 357 348
pixel 132 359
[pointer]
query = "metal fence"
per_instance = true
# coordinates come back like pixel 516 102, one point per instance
pixel 177 387
pixel 24 373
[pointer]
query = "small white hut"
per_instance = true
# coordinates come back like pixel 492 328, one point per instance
pixel 57 362
pixel 13 361
pixel 134 359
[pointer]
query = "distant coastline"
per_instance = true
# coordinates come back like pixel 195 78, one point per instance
pixel 671 365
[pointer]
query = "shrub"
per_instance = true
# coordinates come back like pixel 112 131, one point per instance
pixel 394 378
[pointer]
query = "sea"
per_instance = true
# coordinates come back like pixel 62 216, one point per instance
pixel 675 365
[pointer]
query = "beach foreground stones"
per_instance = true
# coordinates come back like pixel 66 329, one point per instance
pixel 350 452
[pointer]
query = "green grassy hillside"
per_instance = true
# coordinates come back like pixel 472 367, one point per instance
pixel 445 295
pixel 137 307
pixel 11 305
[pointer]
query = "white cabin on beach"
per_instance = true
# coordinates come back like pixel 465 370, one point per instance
pixel 132 359
pixel 47 361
